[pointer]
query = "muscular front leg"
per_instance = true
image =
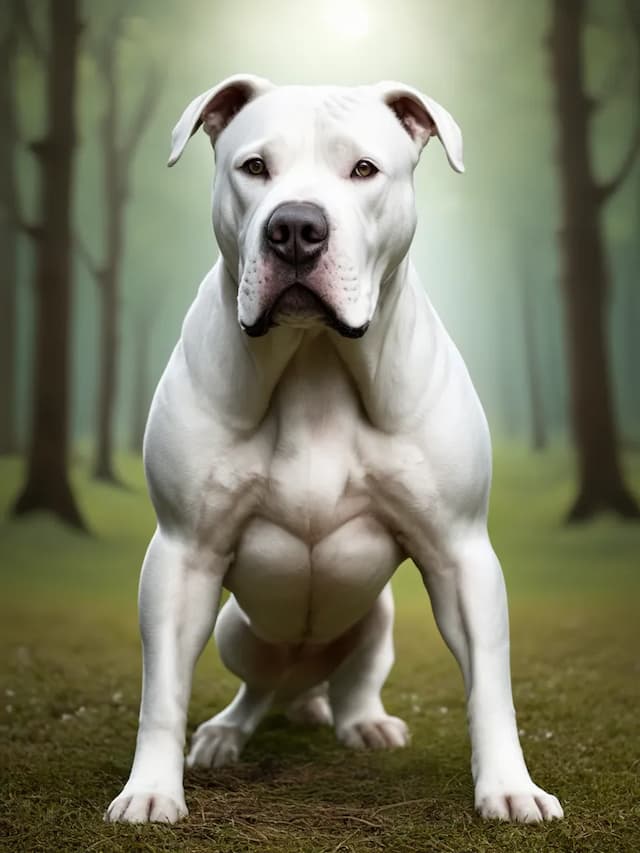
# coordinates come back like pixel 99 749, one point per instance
pixel 179 597
pixel 469 602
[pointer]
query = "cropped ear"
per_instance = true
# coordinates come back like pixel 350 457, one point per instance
pixel 422 117
pixel 215 109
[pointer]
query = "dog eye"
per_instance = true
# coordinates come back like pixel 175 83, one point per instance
pixel 255 166
pixel 364 169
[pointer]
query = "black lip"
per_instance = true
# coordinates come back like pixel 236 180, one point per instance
pixel 265 321
pixel 347 331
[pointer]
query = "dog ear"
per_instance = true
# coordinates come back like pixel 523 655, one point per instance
pixel 422 118
pixel 215 109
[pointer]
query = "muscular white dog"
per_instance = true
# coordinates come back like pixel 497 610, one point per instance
pixel 314 427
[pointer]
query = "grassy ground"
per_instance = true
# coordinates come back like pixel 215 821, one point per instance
pixel 70 684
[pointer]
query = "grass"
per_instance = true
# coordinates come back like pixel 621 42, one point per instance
pixel 70 685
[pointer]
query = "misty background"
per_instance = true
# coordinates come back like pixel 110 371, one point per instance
pixel 532 259
pixel 489 246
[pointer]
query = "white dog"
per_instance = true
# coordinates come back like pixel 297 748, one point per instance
pixel 314 427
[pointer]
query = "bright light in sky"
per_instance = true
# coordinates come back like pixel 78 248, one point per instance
pixel 347 18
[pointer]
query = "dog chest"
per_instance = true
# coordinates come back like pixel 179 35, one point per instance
pixel 313 554
pixel 293 591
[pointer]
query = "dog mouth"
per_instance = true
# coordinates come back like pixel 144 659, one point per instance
pixel 298 306
pixel 298 303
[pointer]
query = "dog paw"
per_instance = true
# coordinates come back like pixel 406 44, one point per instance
pixel 145 807
pixel 523 806
pixel 383 732
pixel 215 745
pixel 312 711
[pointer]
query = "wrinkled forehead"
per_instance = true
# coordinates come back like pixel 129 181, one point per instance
pixel 310 118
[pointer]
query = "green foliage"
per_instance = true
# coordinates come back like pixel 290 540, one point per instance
pixel 70 695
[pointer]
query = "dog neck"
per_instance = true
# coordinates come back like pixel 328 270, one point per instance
pixel 241 373
pixel 390 363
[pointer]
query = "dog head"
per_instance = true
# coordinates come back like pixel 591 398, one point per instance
pixel 313 201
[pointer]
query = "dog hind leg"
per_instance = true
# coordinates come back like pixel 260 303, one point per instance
pixel 354 689
pixel 311 707
pixel 220 740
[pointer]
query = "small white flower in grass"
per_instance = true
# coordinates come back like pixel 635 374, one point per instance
pixel 521 732
pixel 443 709
pixel 66 717
pixel 9 692
pixel 81 710
pixel 23 655
pixel 548 734
pixel 117 697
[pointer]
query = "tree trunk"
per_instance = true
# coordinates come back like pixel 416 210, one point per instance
pixel 118 149
pixel 508 378
pixel 109 340
pixel 632 312
pixel 584 280
pixel 47 486
pixel 8 244
pixel 113 179
pixel 140 385
pixel 536 404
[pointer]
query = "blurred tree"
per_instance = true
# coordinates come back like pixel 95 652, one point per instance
pixel 15 27
pixel 118 148
pixel 144 318
pixel 585 278
pixel 8 225
pixel 537 421
pixel 508 366
pixel 632 313
pixel 628 310
pixel 47 484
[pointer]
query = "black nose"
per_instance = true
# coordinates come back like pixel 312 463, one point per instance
pixel 297 232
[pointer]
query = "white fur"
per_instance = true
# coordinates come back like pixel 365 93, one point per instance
pixel 300 468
